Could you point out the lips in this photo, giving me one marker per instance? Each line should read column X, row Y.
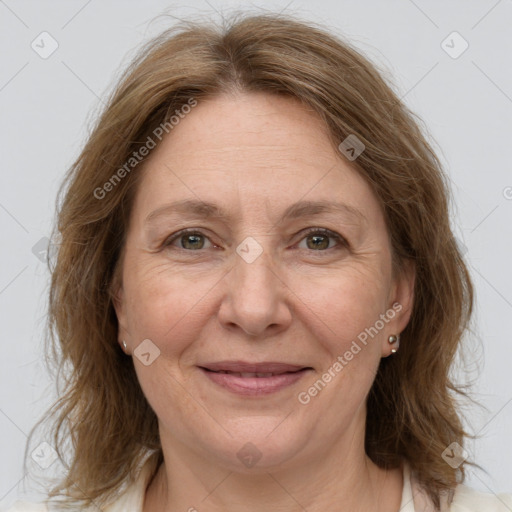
column 249, row 374
column 253, row 378
column 251, row 368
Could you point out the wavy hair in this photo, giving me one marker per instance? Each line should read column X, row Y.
column 412, row 412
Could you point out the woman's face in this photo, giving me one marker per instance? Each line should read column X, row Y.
column 256, row 336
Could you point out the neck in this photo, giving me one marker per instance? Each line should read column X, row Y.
column 343, row 481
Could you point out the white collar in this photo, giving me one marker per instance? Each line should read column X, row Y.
column 133, row 498
column 414, row 496
column 414, row 499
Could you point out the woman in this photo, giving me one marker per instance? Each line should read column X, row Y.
column 255, row 286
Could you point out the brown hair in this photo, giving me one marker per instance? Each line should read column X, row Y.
column 411, row 408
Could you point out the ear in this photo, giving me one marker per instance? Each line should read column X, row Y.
column 118, row 301
column 401, row 299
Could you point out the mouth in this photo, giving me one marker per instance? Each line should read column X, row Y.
column 253, row 379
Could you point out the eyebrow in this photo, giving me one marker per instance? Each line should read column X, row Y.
column 204, row 209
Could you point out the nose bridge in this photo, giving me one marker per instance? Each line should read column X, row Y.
column 255, row 294
column 256, row 278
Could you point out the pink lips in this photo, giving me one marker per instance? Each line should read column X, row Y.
column 253, row 378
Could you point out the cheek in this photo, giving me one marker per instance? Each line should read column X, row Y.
column 166, row 307
column 343, row 305
column 170, row 310
column 342, row 315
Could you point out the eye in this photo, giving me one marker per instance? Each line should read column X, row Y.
column 319, row 239
column 316, row 239
column 189, row 240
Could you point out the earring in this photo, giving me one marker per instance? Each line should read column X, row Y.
column 124, row 344
column 394, row 338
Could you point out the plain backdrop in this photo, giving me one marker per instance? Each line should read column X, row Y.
column 459, row 84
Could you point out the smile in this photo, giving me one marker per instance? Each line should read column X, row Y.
column 253, row 379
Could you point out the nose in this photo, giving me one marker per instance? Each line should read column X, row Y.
column 256, row 298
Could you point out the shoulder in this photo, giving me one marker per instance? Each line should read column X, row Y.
column 131, row 499
column 467, row 499
column 26, row 506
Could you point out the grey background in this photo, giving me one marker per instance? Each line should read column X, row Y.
column 465, row 102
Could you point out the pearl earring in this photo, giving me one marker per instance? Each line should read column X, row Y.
column 394, row 338
column 124, row 344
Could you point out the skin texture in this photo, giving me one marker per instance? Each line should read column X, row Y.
column 255, row 155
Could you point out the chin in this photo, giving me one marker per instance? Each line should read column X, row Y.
column 259, row 446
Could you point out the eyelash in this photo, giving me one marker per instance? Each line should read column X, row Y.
column 342, row 242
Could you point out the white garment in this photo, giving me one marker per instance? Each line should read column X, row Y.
column 413, row 498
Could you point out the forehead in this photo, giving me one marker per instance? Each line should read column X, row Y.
column 273, row 131
column 249, row 151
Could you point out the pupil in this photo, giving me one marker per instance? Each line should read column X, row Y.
column 319, row 242
column 191, row 240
